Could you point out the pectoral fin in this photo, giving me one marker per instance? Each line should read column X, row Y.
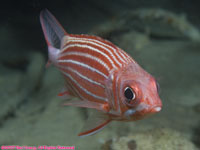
column 96, row 122
column 48, row 64
column 86, row 104
column 65, row 94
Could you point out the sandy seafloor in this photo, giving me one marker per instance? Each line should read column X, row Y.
column 31, row 113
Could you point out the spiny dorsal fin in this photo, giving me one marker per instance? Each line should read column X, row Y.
column 52, row 29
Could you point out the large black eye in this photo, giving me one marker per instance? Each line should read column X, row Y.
column 129, row 94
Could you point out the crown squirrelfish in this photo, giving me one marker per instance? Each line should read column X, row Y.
column 101, row 75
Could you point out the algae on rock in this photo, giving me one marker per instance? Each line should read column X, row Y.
column 156, row 139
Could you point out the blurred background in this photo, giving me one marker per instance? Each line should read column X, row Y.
column 161, row 35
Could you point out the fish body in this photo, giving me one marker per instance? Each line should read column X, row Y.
column 101, row 75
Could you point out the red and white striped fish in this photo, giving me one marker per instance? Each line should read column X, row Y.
column 101, row 75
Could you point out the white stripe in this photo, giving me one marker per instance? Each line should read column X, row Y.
column 76, row 91
column 123, row 55
column 93, row 43
column 90, row 48
column 82, row 76
column 88, row 56
column 86, row 91
column 116, row 84
column 128, row 57
column 84, row 65
column 99, row 42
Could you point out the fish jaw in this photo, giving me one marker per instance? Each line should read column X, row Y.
column 141, row 112
column 156, row 109
column 144, row 108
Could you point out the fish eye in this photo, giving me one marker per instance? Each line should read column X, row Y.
column 129, row 94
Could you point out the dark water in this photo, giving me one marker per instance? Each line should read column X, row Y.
column 162, row 36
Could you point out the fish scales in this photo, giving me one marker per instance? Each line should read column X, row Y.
column 88, row 57
column 101, row 75
column 107, row 54
column 102, row 47
column 85, row 85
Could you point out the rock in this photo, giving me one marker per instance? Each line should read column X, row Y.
column 156, row 139
column 17, row 85
column 34, row 72
column 163, row 23
column 196, row 135
column 197, row 108
column 158, row 23
column 10, row 95
column 133, row 41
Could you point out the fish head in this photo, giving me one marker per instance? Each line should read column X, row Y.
column 137, row 93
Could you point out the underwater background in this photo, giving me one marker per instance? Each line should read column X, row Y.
column 163, row 36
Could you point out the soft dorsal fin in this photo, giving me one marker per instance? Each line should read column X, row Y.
column 52, row 29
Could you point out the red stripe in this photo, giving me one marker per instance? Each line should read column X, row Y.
column 90, row 62
column 95, row 54
column 97, row 90
column 100, row 40
column 90, row 74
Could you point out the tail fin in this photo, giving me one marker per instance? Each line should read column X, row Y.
column 52, row 29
